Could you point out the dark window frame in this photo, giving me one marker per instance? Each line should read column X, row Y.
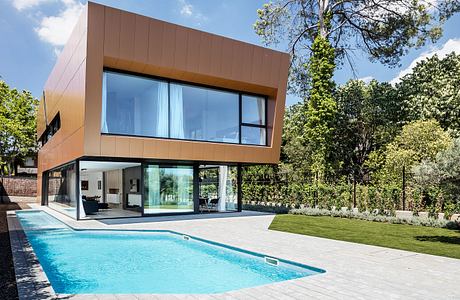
column 169, row 81
column 51, row 129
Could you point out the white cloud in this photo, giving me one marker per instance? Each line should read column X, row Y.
column 53, row 29
column 366, row 79
column 189, row 11
column 26, row 4
column 57, row 29
column 452, row 45
column 186, row 9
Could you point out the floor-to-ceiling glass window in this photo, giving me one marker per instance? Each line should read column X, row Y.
column 218, row 188
column 133, row 105
column 141, row 106
column 203, row 114
column 62, row 189
column 168, row 189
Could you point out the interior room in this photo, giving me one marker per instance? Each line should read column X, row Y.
column 110, row 189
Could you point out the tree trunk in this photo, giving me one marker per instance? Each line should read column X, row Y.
column 323, row 4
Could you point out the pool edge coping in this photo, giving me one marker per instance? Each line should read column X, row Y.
column 31, row 279
column 26, row 281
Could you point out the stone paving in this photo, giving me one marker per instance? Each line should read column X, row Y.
column 353, row 271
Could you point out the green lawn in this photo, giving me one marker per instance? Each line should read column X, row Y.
column 436, row 241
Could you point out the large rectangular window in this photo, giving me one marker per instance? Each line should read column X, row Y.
column 253, row 120
column 134, row 105
column 168, row 189
column 141, row 106
column 203, row 114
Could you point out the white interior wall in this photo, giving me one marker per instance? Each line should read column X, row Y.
column 92, row 178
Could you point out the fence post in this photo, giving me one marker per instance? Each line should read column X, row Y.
column 404, row 187
column 354, row 191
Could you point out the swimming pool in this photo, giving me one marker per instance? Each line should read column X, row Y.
column 135, row 262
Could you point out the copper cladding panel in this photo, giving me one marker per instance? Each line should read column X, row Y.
column 65, row 93
column 126, row 41
column 107, row 37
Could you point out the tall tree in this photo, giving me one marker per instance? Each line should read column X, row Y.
column 432, row 91
column 321, row 107
column 384, row 29
column 18, row 130
column 369, row 117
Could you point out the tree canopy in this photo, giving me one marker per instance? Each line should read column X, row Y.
column 18, row 130
column 432, row 91
column 384, row 29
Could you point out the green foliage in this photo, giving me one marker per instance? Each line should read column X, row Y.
column 321, row 106
column 369, row 116
column 419, row 140
column 432, row 91
column 361, row 135
column 384, row 29
column 18, row 130
column 439, row 179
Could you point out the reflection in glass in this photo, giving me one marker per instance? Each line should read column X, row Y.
column 203, row 114
column 134, row 105
column 62, row 194
column 168, row 189
column 253, row 110
column 253, row 135
column 218, row 188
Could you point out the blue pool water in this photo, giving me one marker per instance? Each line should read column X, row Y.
column 100, row 262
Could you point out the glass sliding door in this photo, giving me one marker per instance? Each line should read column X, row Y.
column 218, row 188
column 62, row 190
column 168, row 189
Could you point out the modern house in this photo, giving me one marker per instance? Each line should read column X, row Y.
column 144, row 117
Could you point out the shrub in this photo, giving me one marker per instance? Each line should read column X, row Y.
column 367, row 216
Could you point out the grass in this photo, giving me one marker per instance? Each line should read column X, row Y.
column 429, row 240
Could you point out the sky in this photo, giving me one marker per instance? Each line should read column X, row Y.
column 33, row 32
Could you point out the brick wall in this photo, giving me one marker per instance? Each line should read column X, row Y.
column 19, row 186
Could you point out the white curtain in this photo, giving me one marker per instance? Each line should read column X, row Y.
column 177, row 111
column 182, row 186
column 104, row 127
column 162, row 110
column 80, row 201
column 153, row 184
column 223, row 174
column 261, row 110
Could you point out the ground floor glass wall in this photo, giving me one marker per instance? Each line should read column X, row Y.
column 168, row 189
column 91, row 189
column 61, row 188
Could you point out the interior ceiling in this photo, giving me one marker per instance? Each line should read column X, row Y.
column 102, row 166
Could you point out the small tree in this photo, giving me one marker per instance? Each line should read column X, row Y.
column 18, row 130
column 418, row 141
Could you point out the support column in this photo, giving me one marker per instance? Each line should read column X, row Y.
column 77, row 189
column 239, row 181
column 196, row 188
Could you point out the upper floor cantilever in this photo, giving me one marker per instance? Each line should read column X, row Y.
column 126, row 85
